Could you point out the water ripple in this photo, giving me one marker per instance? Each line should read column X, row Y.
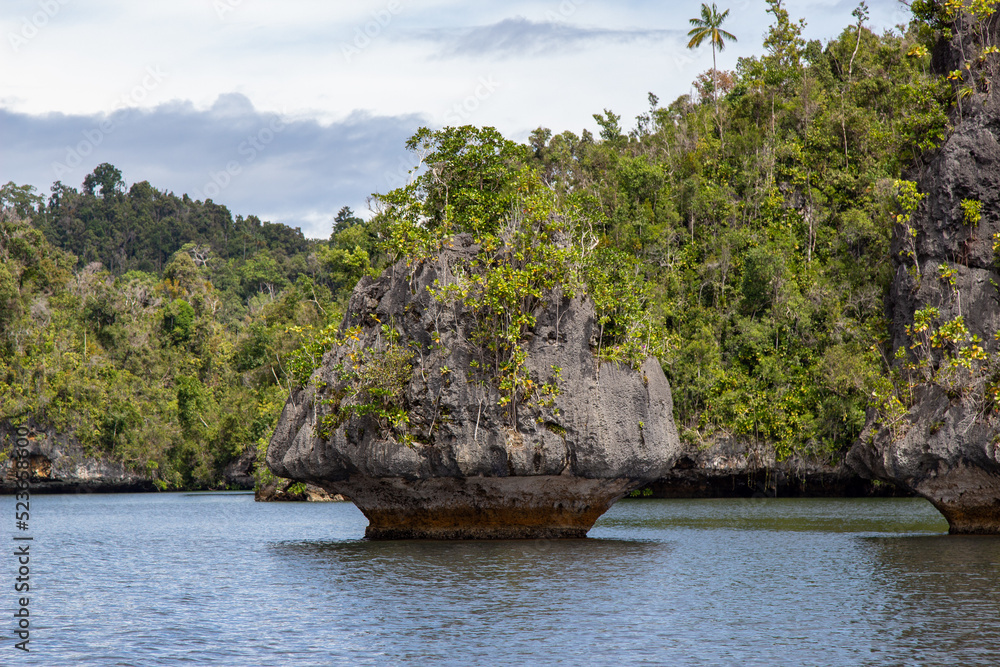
column 170, row 579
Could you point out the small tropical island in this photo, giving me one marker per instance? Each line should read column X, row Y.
column 497, row 380
column 785, row 282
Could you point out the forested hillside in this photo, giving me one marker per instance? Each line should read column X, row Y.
column 155, row 328
column 749, row 225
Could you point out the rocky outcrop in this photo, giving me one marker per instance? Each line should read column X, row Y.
column 239, row 473
column 949, row 455
column 457, row 464
column 728, row 468
column 60, row 464
column 288, row 492
column 947, row 448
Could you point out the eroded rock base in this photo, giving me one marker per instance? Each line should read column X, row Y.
column 491, row 508
column 968, row 497
column 972, row 520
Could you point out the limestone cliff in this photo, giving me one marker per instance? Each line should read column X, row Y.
column 60, row 464
column 453, row 461
column 731, row 468
column 946, row 447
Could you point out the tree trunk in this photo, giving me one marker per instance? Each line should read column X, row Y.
column 715, row 82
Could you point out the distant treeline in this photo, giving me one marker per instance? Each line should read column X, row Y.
column 159, row 329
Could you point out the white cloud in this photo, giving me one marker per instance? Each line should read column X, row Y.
column 354, row 78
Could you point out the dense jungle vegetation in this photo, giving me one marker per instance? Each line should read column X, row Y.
column 749, row 224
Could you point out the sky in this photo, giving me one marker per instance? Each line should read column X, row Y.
column 291, row 110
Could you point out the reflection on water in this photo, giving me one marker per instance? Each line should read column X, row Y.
column 841, row 515
column 479, row 559
column 215, row 578
column 509, row 598
column 511, row 570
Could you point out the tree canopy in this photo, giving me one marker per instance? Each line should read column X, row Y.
column 742, row 234
column 709, row 26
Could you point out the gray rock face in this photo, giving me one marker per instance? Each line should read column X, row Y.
column 311, row 494
column 730, row 468
column 471, row 469
column 948, row 455
column 947, row 448
column 59, row 464
column 238, row 474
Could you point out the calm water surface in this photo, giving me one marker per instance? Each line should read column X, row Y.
column 174, row 579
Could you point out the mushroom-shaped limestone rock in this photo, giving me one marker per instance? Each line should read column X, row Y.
column 409, row 418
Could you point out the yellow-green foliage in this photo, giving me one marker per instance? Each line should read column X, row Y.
column 533, row 248
column 972, row 212
column 136, row 368
column 741, row 234
column 370, row 381
column 942, row 353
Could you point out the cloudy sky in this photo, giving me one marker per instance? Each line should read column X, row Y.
column 290, row 110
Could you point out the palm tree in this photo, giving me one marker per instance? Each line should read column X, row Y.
column 709, row 26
